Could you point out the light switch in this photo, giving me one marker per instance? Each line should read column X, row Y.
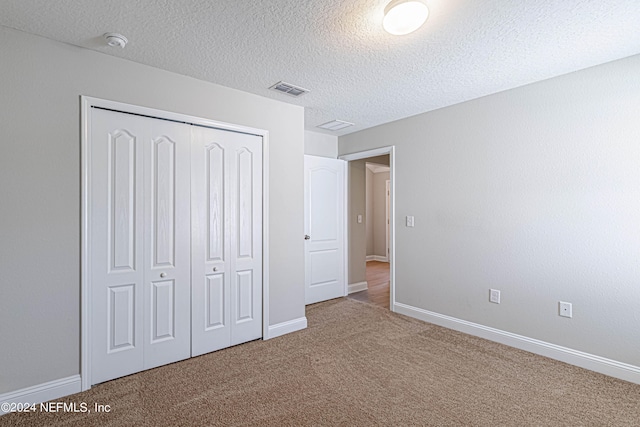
column 410, row 221
column 359, row 219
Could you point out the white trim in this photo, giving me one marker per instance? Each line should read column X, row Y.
column 584, row 360
column 163, row 114
column 43, row 392
column 345, row 225
column 287, row 327
column 358, row 287
column 391, row 151
column 265, row 235
column 345, row 237
column 368, row 153
column 377, row 258
column 387, row 218
column 85, row 289
column 85, row 239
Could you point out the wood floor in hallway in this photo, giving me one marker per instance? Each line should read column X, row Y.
column 377, row 275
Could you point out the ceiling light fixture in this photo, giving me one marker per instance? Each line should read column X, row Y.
column 404, row 16
column 115, row 39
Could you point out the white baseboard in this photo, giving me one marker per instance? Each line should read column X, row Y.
column 42, row 392
column 286, row 327
column 588, row 361
column 357, row 287
column 377, row 258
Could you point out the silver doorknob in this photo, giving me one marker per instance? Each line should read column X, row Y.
column 307, row 237
column 215, row 268
column 163, row 274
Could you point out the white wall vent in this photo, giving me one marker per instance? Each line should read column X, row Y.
column 335, row 125
column 289, row 89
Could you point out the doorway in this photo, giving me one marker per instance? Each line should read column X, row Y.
column 372, row 281
column 378, row 285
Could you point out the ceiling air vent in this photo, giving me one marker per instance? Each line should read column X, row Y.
column 335, row 125
column 289, row 89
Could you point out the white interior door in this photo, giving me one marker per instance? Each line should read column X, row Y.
column 324, row 228
column 140, row 253
column 226, row 206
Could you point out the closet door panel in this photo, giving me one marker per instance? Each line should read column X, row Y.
column 246, row 241
column 116, row 253
column 163, row 193
column 121, row 188
column 215, row 202
column 163, row 306
column 210, row 266
column 215, row 298
column 167, row 291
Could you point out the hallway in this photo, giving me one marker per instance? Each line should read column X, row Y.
column 377, row 275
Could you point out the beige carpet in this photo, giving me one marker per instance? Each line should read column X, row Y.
column 359, row 365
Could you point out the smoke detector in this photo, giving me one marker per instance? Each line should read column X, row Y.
column 115, row 39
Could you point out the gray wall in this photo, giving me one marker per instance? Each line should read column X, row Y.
column 379, row 211
column 40, row 89
column 320, row 144
column 534, row 191
column 357, row 232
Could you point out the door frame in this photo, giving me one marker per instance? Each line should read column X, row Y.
column 87, row 103
column 390, row 150
column 387, row 216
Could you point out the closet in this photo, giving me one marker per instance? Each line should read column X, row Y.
column 175, row 259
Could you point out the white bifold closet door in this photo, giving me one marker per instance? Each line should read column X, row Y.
column 226, row 215
column 176, row 241
column 140, row 249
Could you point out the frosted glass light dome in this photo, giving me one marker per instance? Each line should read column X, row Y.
column 404, row 16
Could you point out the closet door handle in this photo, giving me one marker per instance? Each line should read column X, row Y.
column 307, row 237
column 163, row 274
column 215, row 268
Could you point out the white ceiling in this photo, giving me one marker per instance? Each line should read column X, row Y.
column 338, row 49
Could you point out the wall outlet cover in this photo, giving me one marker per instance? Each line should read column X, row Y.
column 494, row 296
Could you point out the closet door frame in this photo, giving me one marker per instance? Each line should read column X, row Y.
column 87, row 104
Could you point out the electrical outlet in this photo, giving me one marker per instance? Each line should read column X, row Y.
column 565, row 309
column 410, row 221
column 494, row 296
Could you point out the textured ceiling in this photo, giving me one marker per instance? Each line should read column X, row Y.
column 338, row 49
